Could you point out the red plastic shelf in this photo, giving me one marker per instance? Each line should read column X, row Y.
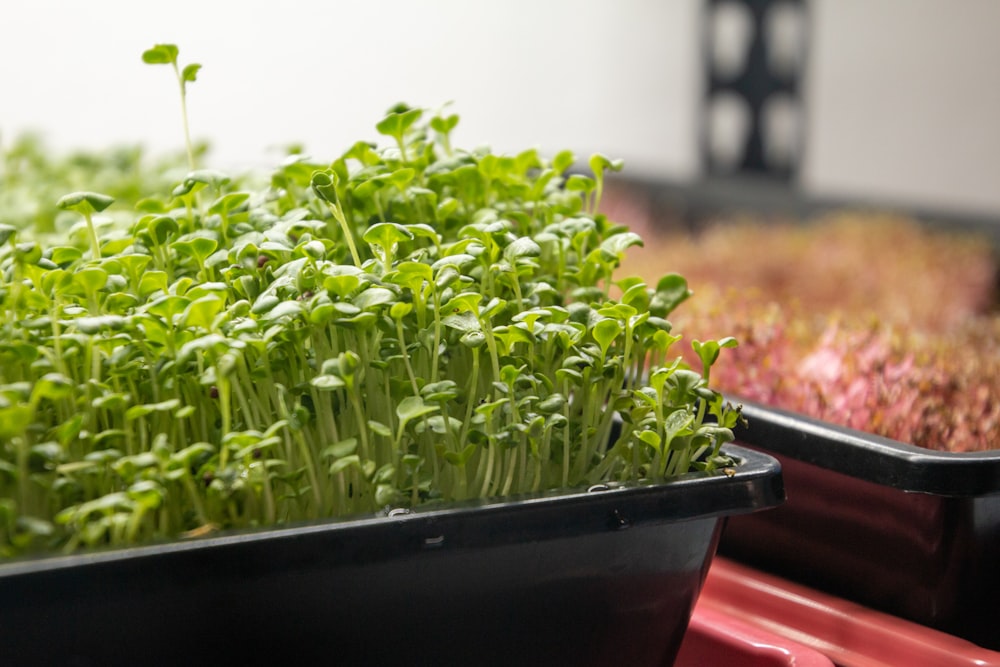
column 717, row 638
column 849, row 634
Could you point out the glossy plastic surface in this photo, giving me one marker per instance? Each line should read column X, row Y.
column 718, row 638
column 873, row 458
column 907, row 531
column 587, row 578
column 849, row 634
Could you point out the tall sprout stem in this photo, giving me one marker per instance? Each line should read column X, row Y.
column 184, row 118
column 95, row 243
column 338, row 214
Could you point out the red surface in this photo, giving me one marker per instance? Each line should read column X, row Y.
column 715, row 638
column 849, row 634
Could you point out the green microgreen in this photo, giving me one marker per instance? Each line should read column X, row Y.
column 86, row 204
column 408, row 324
column 166, row 54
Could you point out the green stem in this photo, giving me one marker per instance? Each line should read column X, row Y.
column 491, row 345
column 225, row 409
column 471, row 393
column 184, row 118
column 199, row 507
column 338, row 215
column 437, row 337
column 406, row 357
column 362, row 424
column 95, row 244
column 566, row 437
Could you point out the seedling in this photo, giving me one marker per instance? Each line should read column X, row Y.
column 166, row 54
column 86, row 204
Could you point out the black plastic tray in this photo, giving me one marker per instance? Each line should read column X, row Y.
column 902, row 529
column 594, row 577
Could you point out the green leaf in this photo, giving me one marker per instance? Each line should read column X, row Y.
column 462, row 457
column 324, row 184
column 342, row 285
column 708, row 351
column 284, row 309
column 386, row 494
column 14, row 420
column 92, row 325
column 341, row 464
column 605, row 332
column 363, row 152
column 160, row 54
column 85, row 203
column 598, row 163
column 199, row 247
column 412, row 275
column 397, row 123
column 464, row 322
column 580, row 183
column 367, row 189
column 379, row 428
column 400, row 309
column 340, row 449
column 402, row 177
column 327, row 382
column 374, row 296
column 523, row 246
column 563, row 161
column 202, row 177
column 619, row 243
column 229, row 202
column 473, row 339
column 551, row 404
column 161, row 228
column 444, row 125
column 671, row 291
column 91, row 279
column 387, row 235
column 53, row 387
column 202, row 312
column 152, row 281
column 65, row 255
column 413, row 407
column 443, row 390
column 190, row 72
column 7, row 232
column 147, row 493
column 137, row 411
column 675, row 424
column 464, row 302
column 190, row 454
column 421, row 230
column 652, row 439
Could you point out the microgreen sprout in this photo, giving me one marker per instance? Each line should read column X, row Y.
column 86, row 204
column 166, row 54
column 403, row 325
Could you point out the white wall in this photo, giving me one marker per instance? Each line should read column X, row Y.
column 582, row 74
column 903, row 96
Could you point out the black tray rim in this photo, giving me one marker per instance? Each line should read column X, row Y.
column 870, row 457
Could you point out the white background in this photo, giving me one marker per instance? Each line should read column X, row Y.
column 903, row 96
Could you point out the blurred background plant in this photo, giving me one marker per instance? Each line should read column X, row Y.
column 863, row 319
